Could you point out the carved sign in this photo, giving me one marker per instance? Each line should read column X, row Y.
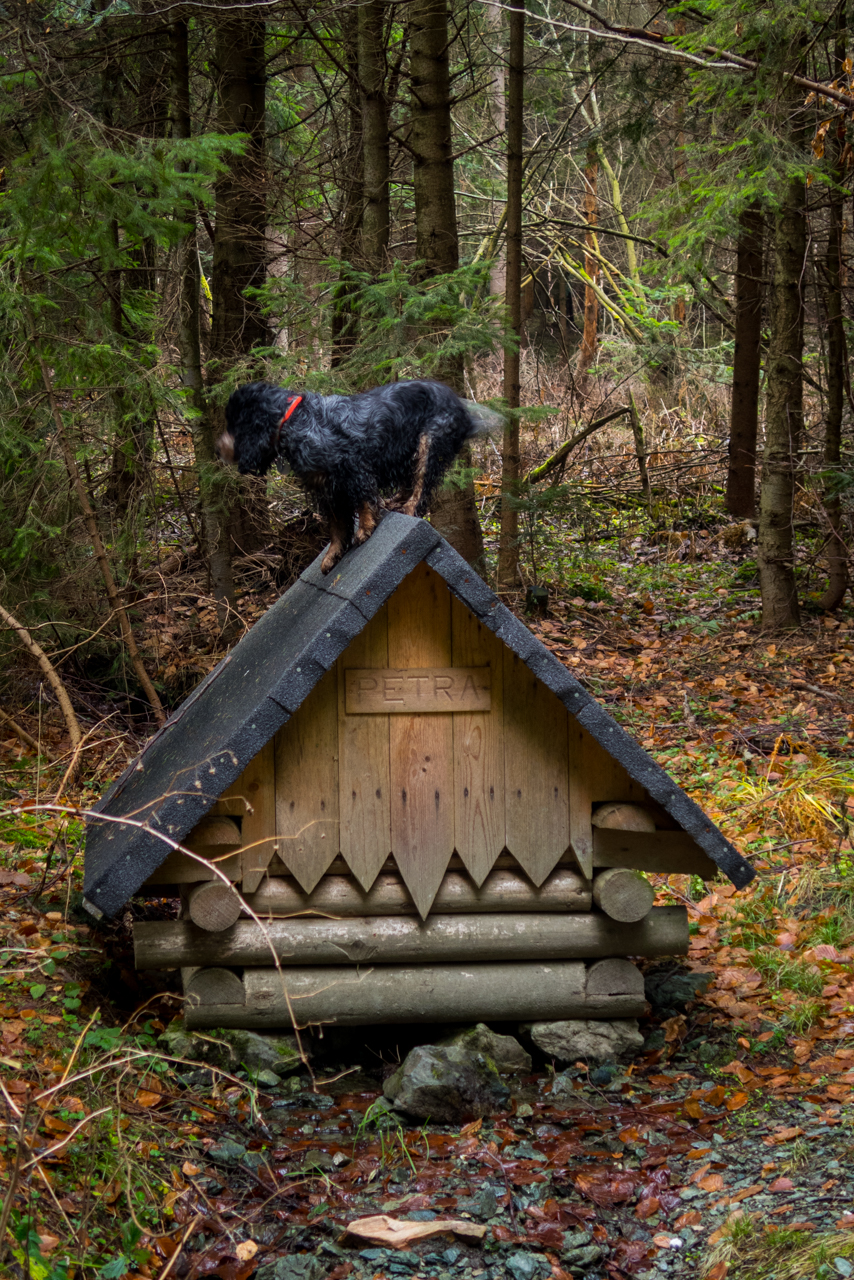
column 428, row 690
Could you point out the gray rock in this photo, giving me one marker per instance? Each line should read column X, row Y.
column 505, row 1051
column 296, row 1266
column 227, row 1152
column 586, row 1039
column 446, row 1083
column 669, row 990
column 229, row 1049
column 583, row 1257
column 526, row 1266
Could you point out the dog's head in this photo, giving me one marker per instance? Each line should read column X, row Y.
column 251, row 439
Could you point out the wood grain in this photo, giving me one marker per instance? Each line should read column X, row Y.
column 581, row 787
column 421, row 748
column 536, row 770
column 257, row 787
column 363, row 768
column 479, row 819
column 433, row 689
column 306, row 751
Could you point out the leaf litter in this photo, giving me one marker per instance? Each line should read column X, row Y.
column 728, row 1140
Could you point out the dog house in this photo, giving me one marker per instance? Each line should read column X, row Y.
column 390, row 802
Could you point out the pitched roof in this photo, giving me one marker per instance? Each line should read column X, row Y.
column 235, row 711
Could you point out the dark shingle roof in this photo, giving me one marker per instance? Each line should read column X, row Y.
column 236, row 710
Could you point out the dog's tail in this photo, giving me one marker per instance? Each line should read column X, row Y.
column 484, row 422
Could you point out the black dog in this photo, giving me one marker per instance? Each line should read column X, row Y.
column 349, row 450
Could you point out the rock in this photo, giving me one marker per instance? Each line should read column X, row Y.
column 296, row 1266
column 669, row 990
column 227, row 1152
column 586, row 1039
column 382, row 1114
column 526, row 1266
column 446, row 1084
column 268, row 1078
column 583, row 1257
column 505, row 1051
column 319, row 1161
column 229, row 1048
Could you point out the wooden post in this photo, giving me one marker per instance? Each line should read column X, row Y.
column 212, row 905
column 431, row 993
column 623, row 894
column 407, row 940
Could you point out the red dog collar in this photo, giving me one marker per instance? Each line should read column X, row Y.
column 296, row 400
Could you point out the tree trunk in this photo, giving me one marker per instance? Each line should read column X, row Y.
column 498, row 115
column 344, row 320
column 508, row 546
column 239, row 258
column 590, row 334
column 375, row 138
column 454, row 512
column 240, row 242
column 746, row 367
column 213, row 483
column 783, row 414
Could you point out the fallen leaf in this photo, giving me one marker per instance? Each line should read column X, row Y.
column 783, row 1135
column 246, row 1250
column 737, row 1101
column 190, row 1169
column 399, row 1234
column 692, row 1218
column 782, row 1184
column 713, row 1182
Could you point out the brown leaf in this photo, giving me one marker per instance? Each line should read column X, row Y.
column 399, row 1234
column 646, row 1208
column 782, row 1184
column 737, row 1101
column 713, row 1182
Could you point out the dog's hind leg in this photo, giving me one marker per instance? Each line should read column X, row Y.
column 413, row 502
column 368, row 521
column 340, row 532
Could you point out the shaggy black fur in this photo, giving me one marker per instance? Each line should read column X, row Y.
column 348, row 450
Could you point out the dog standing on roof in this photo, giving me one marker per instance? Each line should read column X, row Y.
column 348, row 451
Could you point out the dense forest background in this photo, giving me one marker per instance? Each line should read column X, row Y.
column 628, row 226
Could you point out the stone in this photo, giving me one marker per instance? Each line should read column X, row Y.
column 227, row 1152
column 670, row 989
column 586, row 1039
column 228, row 1049
column 446, row 1084
column 583, row 1257
column 295, row 1266
column 526, row 1266
column 505, row 1051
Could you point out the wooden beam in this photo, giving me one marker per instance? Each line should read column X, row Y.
column 430, row 993
column 212, row 905
column 364, row 792
column 664, row 852
column 479, row 751
column 565, row 890
column 405, row 940
column 623, row 894
column 212, row 986
column 617, row 816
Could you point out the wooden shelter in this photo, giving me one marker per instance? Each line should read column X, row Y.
column 395, row 804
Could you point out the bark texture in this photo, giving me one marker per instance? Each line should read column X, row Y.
column 213, row 483
column 508, row 546
column 783, row 414
column 375, row 137
column 590, row 332
column 746, row 366
column 454, row 512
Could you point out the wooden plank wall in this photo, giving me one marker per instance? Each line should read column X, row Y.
column 520, row 779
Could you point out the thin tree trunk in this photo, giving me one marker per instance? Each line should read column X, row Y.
column 783, row 414
column 240, row 243
column 50, row 673
column 213, row 483
column 375, row 136
column 837, row 552
column 454, row 512
column 746, row 367
column 590, row 334
column 494, row 22
column 344, row 318
column 91, row 523
column 508, row 545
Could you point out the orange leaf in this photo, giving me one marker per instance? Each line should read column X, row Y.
column 721, row 1268
column 399, row 1234
column 694, row 1110
column 737, row 1101
column 714, row 1182
column 646, row 1208
column 697, row 1153
column 474, row 1126
column 690, row 1219
column 714, row 1097
column 783, row 1135
column 146, row 1098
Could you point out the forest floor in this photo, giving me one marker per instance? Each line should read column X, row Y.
column 725, row 1148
